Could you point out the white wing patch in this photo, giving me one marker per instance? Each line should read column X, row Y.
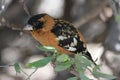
column 61, row 38
column 67, row 46
column 71, row 46
column 74, row 41
column 71, row 49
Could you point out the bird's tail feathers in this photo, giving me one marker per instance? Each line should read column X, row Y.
column 88, row 56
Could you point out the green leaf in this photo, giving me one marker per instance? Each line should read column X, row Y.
column 47, row 48
column 72, row 78
column 63, row 66
column 96, row 68
column 82, row 76
column 78, row 64
column 103, row 75
column 17, row 68
column 79, row 67
column 63, row 58
column 39, row 63
column 83, row 60
column 97, row 73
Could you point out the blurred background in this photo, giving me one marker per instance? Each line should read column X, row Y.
column 97, row 20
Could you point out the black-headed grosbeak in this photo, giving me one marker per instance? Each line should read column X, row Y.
column 57, row 33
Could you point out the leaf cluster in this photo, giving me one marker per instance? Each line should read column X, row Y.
column 78, row 64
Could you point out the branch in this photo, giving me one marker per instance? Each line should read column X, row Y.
column 22, row 2
column 3, row 66
column 90, row 15
column 4, row 23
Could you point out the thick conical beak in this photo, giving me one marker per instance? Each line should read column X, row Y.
column 28, row 27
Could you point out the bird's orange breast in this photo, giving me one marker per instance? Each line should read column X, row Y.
column 46, row 38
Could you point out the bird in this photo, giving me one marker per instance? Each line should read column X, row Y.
column 58, row 33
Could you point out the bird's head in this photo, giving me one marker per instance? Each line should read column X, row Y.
column 36, row 22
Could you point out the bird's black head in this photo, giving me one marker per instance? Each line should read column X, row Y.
column 36, row 22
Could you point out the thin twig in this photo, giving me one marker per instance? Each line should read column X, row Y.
column 5, row 23
column 89, row 70
column 3, row 66
column 91, row 14
column 24, row 72
column 75, row 73
column 31, row 74
column 25, row 7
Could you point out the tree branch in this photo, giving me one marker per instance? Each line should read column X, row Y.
column 91, row 14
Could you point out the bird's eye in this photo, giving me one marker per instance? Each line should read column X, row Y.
column 37, row 25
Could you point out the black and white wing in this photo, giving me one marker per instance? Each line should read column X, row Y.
column 68, row 36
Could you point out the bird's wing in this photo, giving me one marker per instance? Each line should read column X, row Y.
column 68, row 37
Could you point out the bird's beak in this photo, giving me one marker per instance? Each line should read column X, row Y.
column 28, row 27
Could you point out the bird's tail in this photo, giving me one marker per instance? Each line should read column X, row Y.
column 88, row 56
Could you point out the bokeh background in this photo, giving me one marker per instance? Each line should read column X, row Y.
column 97, row 20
